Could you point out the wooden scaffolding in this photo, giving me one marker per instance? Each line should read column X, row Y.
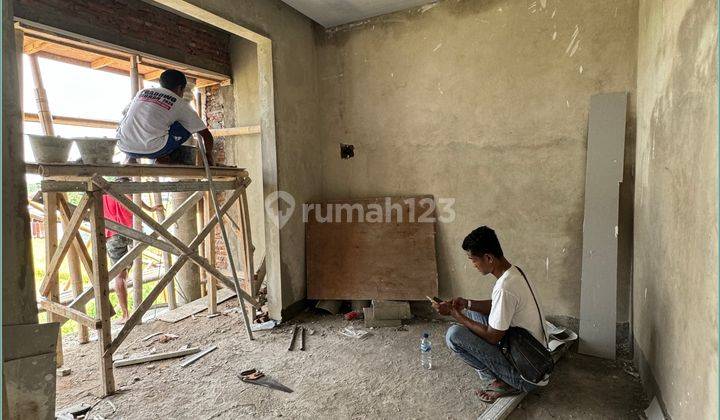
column 58, row 179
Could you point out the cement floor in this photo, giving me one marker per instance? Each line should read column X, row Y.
column 336, row 377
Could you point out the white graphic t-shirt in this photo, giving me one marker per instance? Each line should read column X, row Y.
column 144, row 126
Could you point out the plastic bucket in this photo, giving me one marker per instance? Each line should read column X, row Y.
column 50, row 149
column 96, row 150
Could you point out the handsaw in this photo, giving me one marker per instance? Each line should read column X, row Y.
column 255, row 377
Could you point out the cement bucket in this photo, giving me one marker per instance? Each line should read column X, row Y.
column 96, row 150
column 50, row 149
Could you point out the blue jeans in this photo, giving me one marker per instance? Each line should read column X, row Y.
column 177, row 135
column 484, row 357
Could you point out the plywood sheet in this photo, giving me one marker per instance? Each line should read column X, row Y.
column 373, row 253
column 598, row 292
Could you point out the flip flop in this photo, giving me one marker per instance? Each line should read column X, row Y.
column 499, row 391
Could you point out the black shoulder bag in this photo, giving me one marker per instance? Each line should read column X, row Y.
column 524, row 352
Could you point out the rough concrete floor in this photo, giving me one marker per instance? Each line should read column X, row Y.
column 336, row 377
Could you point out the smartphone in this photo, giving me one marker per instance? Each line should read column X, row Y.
column 434, row 299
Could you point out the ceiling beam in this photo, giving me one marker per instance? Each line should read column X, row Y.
column 155, row 74
column 35, row 46
column 102, row 62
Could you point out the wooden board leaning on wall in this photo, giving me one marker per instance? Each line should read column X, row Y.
column 377, row 248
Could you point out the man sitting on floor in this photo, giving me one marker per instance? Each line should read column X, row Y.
column 483, row 323
column 158, row 121
column 117, row 244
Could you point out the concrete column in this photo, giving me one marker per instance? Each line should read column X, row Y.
column 28, row 359
column 187, row 285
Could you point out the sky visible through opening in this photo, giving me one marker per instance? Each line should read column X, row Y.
column 75, row 91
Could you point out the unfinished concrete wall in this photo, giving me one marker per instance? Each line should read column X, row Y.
column 485, row 102
column 296, row 109
column 676, row 260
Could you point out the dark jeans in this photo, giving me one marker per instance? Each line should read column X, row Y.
column 486, row 358
column 177, row 135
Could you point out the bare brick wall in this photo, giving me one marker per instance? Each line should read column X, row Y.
column 136, row 25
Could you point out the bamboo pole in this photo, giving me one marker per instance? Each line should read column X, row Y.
column 137, row 199
column 166, row 258
column 46, row 122
column 51, row 238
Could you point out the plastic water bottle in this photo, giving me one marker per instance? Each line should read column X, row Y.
column 426, row 351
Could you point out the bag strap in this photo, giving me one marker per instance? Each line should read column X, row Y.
column 542, row 321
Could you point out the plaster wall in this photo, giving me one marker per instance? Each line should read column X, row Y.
column 486, row 103
column 676, row 250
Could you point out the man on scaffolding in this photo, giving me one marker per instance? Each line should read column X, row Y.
column 158, row 121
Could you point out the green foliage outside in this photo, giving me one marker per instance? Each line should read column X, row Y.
column 38, row 248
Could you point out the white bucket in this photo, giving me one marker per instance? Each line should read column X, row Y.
column 96, row 150
column 50, row 149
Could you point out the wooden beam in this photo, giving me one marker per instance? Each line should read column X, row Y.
column 35, row 46
column 68, row 236
column 166, row 257
column 70, row 313
column 177, row 243
column 210, row 254
column 140, row 236
column 102, row 62
column 153, row 75
column 157, row 356
column 123, row 262
column 203, row 83
column 102, row 292
column 235, row 131
column 137, row 314
column 126, row 260
column 80, row 248
column 247, row 247
column 76, row 171
column 135, row 187
column 73, row 121
column 50, row 202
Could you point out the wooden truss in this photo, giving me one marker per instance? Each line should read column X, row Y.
column 61, row 178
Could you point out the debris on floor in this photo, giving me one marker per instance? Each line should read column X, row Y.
column 195, row 358
column 296, row 329
column 153, row 357
column 352, row 315
column 352, row 332
column 268, row 325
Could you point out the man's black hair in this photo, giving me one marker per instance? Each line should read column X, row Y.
column 171, row 79
column 482, row 241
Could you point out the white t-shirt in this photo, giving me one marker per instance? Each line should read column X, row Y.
column 513, row 305
column 144, row 126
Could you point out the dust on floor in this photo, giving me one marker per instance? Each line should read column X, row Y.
column 336, row 377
